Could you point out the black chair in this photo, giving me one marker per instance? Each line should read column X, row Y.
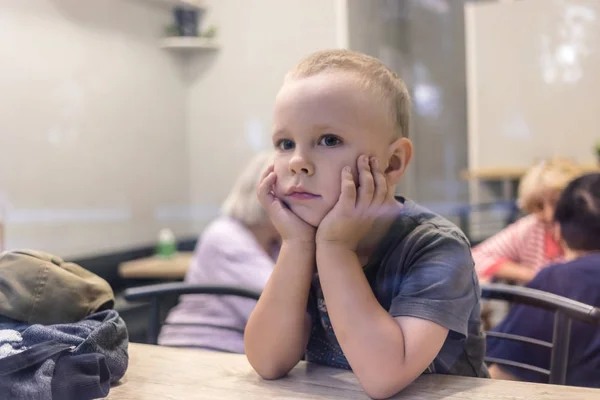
column 155, row 293
column 565, row 310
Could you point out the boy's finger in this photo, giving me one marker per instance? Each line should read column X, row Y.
column 366, row 184
column 276, row 205
column 348, row 193
column 267, row 171
column 381, row 186
column 265, row 188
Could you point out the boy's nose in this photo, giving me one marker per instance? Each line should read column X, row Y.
column 301, row 165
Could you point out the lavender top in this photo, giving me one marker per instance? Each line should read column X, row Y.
column 227, row 254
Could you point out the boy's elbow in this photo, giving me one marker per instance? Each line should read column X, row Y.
column 271, row 373
column 267, row 364
column 381, row 391
column 383, row 386
column 269, row 370
column 270, row 363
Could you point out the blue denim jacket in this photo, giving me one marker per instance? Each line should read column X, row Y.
column 64, row 361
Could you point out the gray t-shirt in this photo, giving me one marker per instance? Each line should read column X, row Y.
column 422, row 268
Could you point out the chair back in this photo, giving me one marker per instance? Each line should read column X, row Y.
column 565, row 311
column 155, row 293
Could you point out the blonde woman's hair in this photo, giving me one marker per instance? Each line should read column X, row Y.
column 552, row 175
column 373, row 74
column 242, row 202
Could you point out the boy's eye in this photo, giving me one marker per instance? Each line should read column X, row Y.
column 330, row 141
column 285, row 144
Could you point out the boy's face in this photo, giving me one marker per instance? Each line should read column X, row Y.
column 321, row 124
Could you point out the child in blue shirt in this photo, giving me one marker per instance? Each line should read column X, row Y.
column 364, row 280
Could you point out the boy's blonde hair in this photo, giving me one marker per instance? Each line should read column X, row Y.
column 373, row 74
column 553, row 174
column 242, row 202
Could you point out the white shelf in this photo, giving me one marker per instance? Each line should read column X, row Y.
column 198, row 4
column 188, row 43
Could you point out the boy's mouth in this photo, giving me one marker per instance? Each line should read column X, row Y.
column 299, row 193
column 303, row 196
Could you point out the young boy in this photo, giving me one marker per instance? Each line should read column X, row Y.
column 578, row 218
column 389, row 287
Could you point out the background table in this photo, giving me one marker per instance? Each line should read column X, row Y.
column 509, row 176
column 157, row 372
column 156, row 267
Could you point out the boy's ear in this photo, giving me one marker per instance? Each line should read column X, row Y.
column 400, row 153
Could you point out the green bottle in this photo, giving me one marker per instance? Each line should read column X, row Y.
column 167, row 247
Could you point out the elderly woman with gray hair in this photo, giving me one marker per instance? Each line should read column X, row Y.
column 239, row 248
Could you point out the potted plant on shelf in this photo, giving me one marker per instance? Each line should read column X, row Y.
column 186, row 22
column 598, row 151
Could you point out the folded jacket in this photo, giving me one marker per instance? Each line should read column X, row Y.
column 64, row 361
column 80, row 377
column 40, row 288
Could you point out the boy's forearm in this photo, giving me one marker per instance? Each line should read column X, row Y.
column 371, row 339
column 277, row 331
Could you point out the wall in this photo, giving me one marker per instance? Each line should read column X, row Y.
column 532, row 86
column 105, row 138
column 423, row 41
column 232, row 91
column 93, row 150
column 533, row 81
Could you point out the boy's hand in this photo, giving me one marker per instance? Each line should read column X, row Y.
column 288, row 224
column 353, row 215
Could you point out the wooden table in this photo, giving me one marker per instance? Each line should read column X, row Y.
column 167, row 373
column 156, row 267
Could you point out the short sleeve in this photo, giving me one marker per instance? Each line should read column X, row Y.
column 438, row 280
column 503, row 246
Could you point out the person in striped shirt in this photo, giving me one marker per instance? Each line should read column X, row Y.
column 520, row 250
